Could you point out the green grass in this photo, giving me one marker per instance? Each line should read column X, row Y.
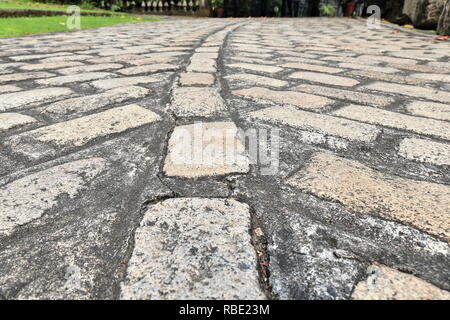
column 28, row 4
column 12, row 27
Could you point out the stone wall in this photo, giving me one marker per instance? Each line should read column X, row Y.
column 444, row 20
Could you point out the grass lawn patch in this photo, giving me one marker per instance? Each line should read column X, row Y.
column 12, row 27
column 27, row 4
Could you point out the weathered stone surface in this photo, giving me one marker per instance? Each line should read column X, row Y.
column 194, row 101
column 193, row 248
column 311, row 67
column 440, row 129
column 12, row 120
column 205, row 149
column 424, row 13
column 325, row 79
column 196, row 78
column 76, row 106
column 50, row 65
column 89, row 68
column 367, row 191
column 256, row 67
column 28, row 198
column 23, row 99
column 62, row 80
column 430, row 109
column 9, row 88
column 122, row 82
column 258, row 80
column 323, row 124
column 151, row 68
column 425, row 151
column 80, row 131
column 384, row 283
column 444, row 20
column 24, row 76
column 302, row 100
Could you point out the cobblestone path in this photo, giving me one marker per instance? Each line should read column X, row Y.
column 97, row 200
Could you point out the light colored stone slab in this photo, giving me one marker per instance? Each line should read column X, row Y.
column 193, row 248
column 9, row 88
column 315, row 122
column 196, row 78
column 28, row 198
column 89, row 68
column 388, row 77
column 432, row 76
column 50, row 65
column 384, row 283
column 22, row 99
column 396, row 120
column 62, row 80
column 106, row 84
column 76, row 106
column 258, row 80
column 298, row 99
column 325, row 78
column 195, row 101
column 430, row 109
column 202, row 65
column 413, row 91
column 152, row 68
column 348, row 95
column 255, row 67
column 205, row 149
column 420, row 204
column 311, row 67
column 80, row 131
column 425, row 151
column 368, row 68
column 12, row 120
column 24, row 76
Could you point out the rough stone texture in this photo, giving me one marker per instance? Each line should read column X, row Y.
column 193, row 248
column 258, row 80
column 256, row 67
column 28, row 198
column 444, row 20
column 12, row 120
column 58, row 81
column 311, row 67
column 194, row 101
column 425, row 151
column 17, row 100
column 205, row 149
column 424, row 13
column 194, row 78
column 9, row 88
column 419, row 125
column 357, row 186
column 325, row 79
column 430, row 110
column 301, row 100
column 384, row 283
column 324, row 124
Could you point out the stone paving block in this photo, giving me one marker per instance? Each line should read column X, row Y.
column 89, row 68
column 149, row 69
column 122, row 82
column 430, row 109
column 324, row 124
column 9, row 88
column 207, row 49
column 80, row 131
column 368, row 68
column 152, row 60
column 28, row 198
column 120, row 58
column 62, row 80
column 425, row 151
column 196, row 78
column 24, row 76
column 76, row 106
column 432, row 76
column 205, row 149
column 298, row 99
column 16, row 100
column 258, row 80
column 255, row 67
column 39, row 56
column 78, row 57
column 193, row 248
column 197, row 101
column 202, row 65
column 324, row 78
column 416, row 68
column 384, row 283
column 367, row 191
column 311, row 67
column 50, row 65
column 440, row 129
column 389, row 77
column 358, row 97
column 12, row 120
column 413, row 91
